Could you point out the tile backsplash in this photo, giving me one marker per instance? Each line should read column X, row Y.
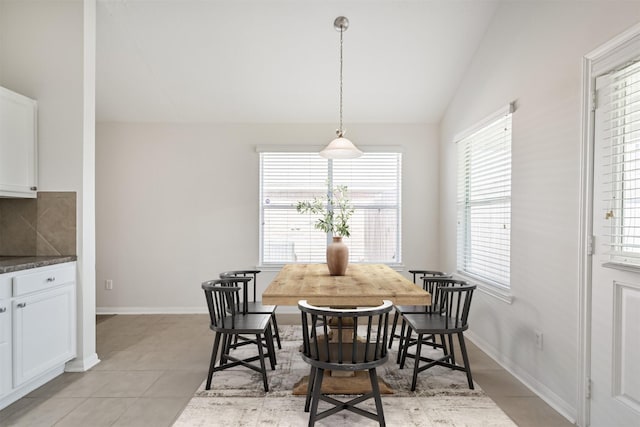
column 42, row 226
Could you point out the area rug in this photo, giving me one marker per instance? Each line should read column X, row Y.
column 442, row 397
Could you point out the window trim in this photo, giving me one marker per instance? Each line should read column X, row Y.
column 278, row 148
column 507, row 109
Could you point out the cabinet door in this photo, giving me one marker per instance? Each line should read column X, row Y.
column 18, row 145
column 5, row 347
column 43, row 332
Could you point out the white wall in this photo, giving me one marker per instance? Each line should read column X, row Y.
column 43, row 55
column 178, row 203
column 532, row 54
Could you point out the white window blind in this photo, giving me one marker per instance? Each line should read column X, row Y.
column 619, row 100
column 484, row 202
column 374, row 183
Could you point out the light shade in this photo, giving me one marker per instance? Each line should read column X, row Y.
column 341, row 148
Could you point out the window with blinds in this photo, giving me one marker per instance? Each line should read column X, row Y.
column 619, row 101
column 374, row 183
column 484, row 201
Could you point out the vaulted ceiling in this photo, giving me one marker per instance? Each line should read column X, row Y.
column 270, row 61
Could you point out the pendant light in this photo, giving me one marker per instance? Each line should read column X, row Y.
column 341, row 147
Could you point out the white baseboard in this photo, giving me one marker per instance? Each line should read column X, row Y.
column 82, row 365
column 542, row 391
column 174, row 310
column 151, row 310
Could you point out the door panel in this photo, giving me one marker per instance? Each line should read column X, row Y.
column 44, row 332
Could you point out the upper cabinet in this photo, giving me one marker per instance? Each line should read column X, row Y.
column 18, row 145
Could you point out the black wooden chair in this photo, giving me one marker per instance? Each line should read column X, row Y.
column 250, row 303
column 345, row 351
column 430, row 284
column 427, row 285
column 228, row 322
column 448, row 318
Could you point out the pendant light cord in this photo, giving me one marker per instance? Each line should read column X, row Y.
column 340, row 130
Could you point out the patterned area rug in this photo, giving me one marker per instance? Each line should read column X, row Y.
column 442, row 397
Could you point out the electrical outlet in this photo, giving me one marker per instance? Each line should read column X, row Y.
column 538, row 339
column 108, row 284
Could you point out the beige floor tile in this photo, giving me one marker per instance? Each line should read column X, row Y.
column 55, row 385
column 482, row 362
column 96, row 412
column 79, row 385
column 18, row 405
column 41, row 412
column 157, row 412
column 119, row 360
column 127, row 383
column 500, row 383
column 176, row 384
column 119, row 342
column 531, row 412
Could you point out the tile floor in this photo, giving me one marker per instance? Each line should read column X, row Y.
column 152, row 364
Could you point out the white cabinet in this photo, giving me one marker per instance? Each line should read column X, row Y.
column 43, row 332
column 37, row 327
column 5, row 346
column 18, row 145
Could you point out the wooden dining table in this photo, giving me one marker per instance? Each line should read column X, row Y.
column 362, row 285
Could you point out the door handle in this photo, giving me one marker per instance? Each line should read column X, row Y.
column 22, row 305
column 51, row 279
column 3, row 309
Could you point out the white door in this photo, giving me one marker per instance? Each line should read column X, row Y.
column 615, row 327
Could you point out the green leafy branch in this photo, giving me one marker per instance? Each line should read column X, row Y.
column 335, row 215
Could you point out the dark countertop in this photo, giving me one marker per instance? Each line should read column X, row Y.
column 9, row 264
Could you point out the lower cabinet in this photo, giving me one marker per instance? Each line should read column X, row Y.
column 5, row 347
column 43, row 332
column 37, row 327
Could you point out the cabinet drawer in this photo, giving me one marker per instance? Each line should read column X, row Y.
column 48, row 277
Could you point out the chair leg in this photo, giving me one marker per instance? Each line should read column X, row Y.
column 403, row 329
column 394, row 324
column 226, row 348
column 263, row 368
column 375, row 388
column 274, row 321
column 312, row 378
column 465, row 359
column 315, row 398
column 271, row 349
column 446, row 349
column 414, row 382
column 212, row 363
column 405, row 340
column 452, row 350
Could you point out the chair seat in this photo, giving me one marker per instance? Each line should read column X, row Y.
column 253, row 323
column 410, row 308
column 423, row 323
column 258, row 307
